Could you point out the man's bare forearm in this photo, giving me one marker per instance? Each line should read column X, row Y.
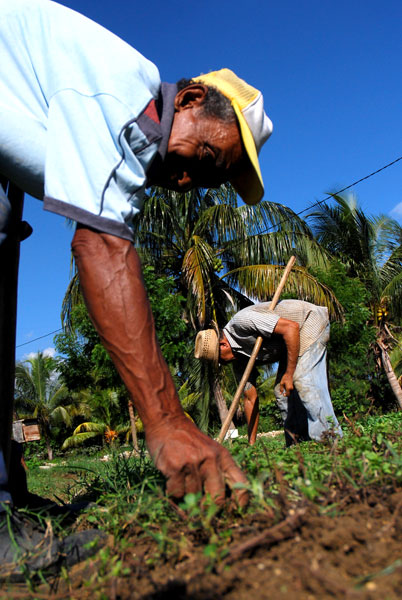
column 292, row 341
column 290, row 332
column 112, row 284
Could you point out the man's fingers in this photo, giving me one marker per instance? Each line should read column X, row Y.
column 234, row 475
column 211, row 478
column 214, row 483
column 175, row 486
column 185, row 482
column 193, row 482
column 198, row 464
column 219, row 471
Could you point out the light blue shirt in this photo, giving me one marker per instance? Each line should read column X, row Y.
column 78, row 121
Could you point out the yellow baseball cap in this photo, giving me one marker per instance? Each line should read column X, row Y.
column 255, row 127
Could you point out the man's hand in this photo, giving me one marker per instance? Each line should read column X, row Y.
column 192, row 462
column 286, row 384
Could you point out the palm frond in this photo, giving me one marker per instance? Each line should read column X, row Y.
column 220, row 224
column 61, row 415
column 76, row 440
column 99, row 428
column 196, row 273
column 260, row 282
column 72, row 298
column 391, row 296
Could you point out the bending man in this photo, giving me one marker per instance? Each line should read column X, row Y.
column 87, row 125
column 294, row 334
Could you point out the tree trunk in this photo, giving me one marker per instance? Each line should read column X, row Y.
column 132, row 423
column 392, row 379
column 220, row 402
column 49, row 449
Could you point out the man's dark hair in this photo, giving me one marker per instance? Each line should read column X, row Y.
column 215, row 103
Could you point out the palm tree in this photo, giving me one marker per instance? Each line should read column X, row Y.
column 40, row 392
column 195, row 236
column 105, row 414
column 222, row 256
column 371, row 249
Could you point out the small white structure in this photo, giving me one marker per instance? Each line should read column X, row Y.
column 26, row 430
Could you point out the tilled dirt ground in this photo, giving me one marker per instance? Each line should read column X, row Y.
column 349, row 549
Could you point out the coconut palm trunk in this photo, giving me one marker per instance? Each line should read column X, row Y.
column 392, row 379
column 46, row 434
column 220, row 402
column 132, row 424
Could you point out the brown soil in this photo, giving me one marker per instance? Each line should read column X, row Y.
column 304, row 553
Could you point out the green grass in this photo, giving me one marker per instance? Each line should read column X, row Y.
column 370, row 453
column 132, row 506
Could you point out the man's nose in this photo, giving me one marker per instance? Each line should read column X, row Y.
column 185, row 182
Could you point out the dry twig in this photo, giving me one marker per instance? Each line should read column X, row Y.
column 282, row 531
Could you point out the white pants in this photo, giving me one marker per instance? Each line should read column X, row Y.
column 308, row 412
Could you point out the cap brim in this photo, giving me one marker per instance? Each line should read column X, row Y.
column 248, row 184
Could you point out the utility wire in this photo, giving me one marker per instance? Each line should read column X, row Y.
column 318, row 203
column 348, row 186
column 39, row 338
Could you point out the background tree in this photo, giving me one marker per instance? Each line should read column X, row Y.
column 213, row 249
column 222, row 257
column 107, row 422
column 370, row 249
column 352, row 370
column 86, row 364
column 40, row 392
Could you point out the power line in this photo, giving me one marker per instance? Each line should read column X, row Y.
column 39, row 338
column 318, row 203
column 349, row 186
column 328, row 197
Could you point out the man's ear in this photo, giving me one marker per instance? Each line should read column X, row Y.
column 192, row 95
column 223, row 343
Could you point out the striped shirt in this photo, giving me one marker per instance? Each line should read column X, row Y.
column 257, row 320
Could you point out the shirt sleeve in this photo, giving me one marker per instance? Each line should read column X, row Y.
column 96, row 161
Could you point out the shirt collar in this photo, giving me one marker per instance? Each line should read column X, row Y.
column 233, row 344
column 165, row 108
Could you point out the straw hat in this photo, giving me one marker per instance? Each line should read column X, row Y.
column 207, row 345
column 255, row 127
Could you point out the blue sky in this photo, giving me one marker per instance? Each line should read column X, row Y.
column 330, row 76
